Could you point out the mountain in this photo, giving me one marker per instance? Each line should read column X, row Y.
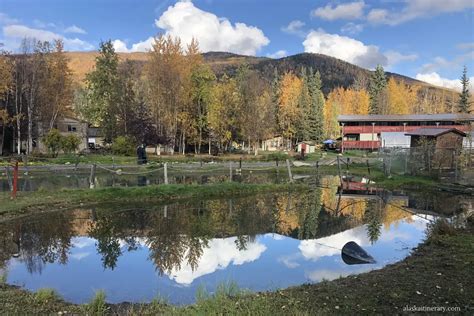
column 334, row 72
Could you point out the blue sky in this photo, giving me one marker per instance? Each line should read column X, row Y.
column 427, row 39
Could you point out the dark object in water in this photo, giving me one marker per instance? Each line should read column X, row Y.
column 352, row 253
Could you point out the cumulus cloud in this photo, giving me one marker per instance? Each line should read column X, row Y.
column 345, row 11
column 120, row 46
column 435, row 79
column 218, row 255
column 278, row 54
column 294, row 27
column 75, row 29
column 17, row 31
column 416, row 9
column 213, row 33
column 345, row 48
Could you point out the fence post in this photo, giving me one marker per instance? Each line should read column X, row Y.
column 166, row 172
column 317, row 166
column 230, row 171
column 289, row 170
column 339, row 170
column 15, row 180
column 92, row 176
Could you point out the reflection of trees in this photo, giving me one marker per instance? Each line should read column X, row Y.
column 37, row 241
column 373, row 218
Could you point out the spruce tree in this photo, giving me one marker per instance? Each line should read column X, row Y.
column 103, row 91
column 378, row 83
column 316, row 115
column 464, row 104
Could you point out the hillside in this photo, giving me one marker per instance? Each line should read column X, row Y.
column 334, row 72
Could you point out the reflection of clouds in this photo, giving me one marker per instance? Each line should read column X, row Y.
column 314, row 249
column 82, row 242
column 80, row 255
column 219, row 254
column 328, row 246
column 319, row 275
column 277, row 237
column 290, row 261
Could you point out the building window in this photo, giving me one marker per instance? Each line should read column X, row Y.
column 71, row 128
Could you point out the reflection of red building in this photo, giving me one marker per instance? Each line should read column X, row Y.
column 364, row 131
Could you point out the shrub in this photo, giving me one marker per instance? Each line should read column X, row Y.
column 70, row 143
column 53, row 140
column 123, row 146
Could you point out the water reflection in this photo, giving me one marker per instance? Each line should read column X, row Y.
column 263, row 243
column 80, row 179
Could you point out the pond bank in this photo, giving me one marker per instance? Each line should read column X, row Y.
column 439, row 274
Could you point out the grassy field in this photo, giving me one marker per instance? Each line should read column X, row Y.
column 438, row 274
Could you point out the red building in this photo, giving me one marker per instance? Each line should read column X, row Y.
column 365, row 131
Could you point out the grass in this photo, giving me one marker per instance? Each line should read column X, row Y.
column 29, row 202
column 97, row 306
column 46, row 295
column 440, row 272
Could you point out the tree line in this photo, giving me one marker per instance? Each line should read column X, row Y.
column 176, row 99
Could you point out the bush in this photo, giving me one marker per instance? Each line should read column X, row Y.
column 53, row 140
column 123, row 146
column 70, row 143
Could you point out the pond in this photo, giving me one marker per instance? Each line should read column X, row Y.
column 261, row 243
column 70, row 179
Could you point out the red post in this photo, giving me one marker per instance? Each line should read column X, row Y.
column 15, row 180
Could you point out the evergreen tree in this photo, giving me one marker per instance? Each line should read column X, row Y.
column 275, row 87
column 464, row 104
column 316, row 111
column 103, row 91
column 377, row 85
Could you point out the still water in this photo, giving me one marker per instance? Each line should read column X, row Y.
column 68, row 179
column 261, row 243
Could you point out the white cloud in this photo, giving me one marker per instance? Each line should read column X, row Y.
column 20, row 32
column 346, row 11
column 75, row 29
column 278, row 54
column 213, row 33
column 414, row 9
column 344, row 48
column 435, row 79
column 219, row 254
column 352, row 28
column 119, row 46
column 143, row 46
column 294, row 27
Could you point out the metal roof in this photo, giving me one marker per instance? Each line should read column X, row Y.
column 434, row 132
column 407, row 118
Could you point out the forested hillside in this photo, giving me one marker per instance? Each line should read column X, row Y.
column 177, row 96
